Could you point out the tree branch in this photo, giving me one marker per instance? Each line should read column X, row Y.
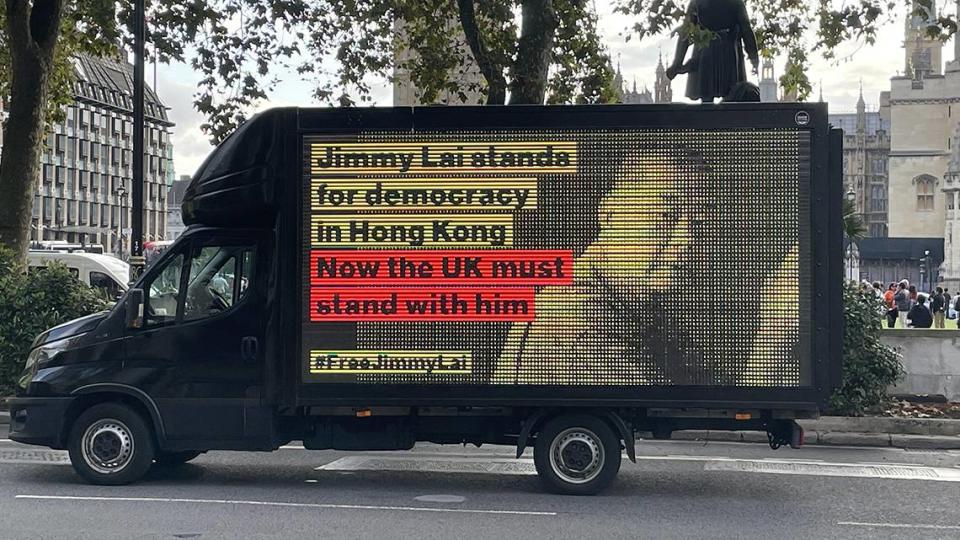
column 493, row 73
column 45, row 24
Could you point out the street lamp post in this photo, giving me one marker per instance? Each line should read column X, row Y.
column 851, row 196
column 136, row 225
column 121, row 193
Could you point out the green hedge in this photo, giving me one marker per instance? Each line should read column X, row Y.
column 31, row 303
column 869, row 366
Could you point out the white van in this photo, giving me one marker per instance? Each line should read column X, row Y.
column 102, row 272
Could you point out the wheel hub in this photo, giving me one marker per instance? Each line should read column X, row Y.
column 107, row 446
column 576, row 455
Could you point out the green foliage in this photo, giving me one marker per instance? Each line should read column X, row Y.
column 869, row 367
column 853, row 226
column 31, row 303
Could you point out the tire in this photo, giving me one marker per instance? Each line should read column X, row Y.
column 172, row 459
column 577, row 454
column 110, row 445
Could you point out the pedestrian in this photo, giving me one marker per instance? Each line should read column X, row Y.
column 891, row 306
column 947, row 304
column 937, row 307
column 878, row 289
column 913, row 294
column 956, row 307
column 919, row 315
column 902, row 299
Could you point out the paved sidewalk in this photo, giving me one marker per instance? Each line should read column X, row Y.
column 914, row 433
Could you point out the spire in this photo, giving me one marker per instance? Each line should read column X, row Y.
column 821, row 91
column 618, row 79
column 861, row 112
column 634, row 84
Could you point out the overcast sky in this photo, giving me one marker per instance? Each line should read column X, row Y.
column 874, row 65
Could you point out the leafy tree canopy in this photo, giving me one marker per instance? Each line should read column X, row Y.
column 243, row 48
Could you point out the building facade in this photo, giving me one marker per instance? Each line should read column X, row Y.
column 85, row 189
column 866, row 151
column 769, row 87
column 662, row 89
column 175, row 226
column 920, row 106
column 470, row 81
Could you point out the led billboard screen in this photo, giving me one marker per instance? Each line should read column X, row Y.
column 608, row 257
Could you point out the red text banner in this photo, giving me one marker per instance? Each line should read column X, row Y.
column 441, row 267
column 421, row 304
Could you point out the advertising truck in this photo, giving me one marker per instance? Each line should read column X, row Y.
column 561, row 278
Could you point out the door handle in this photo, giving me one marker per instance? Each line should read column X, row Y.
column 249, row 346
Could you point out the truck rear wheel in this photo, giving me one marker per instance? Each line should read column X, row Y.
column 577, row 455
column 110, row 445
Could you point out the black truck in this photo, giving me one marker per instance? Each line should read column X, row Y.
column 554, row 277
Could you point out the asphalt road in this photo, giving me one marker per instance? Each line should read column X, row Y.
column 676, row 490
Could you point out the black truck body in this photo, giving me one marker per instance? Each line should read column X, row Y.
column 368, row 278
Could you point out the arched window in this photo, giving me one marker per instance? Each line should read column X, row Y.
column 925, row 185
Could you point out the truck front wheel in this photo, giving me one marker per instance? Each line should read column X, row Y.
column 577, row 455
column 110, row 445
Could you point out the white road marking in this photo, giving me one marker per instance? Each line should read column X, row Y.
column 853, row 470
column 5, row 440
column 449, row 499
column 285, row 504
column 438, row 464
column 900, row 525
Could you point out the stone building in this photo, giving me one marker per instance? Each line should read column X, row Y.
column 470, row 81
column 920, row 106
column 866, row 149
column 175, row 226
column 769, row 87
column 662, row 89
column 86, row 175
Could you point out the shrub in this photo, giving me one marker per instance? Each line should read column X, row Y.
column 31, row 303
column 869, row 366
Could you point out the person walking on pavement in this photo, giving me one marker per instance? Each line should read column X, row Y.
column 946, row 302
column 919, row 316
column 937, row 307
column 892, row 312
column 902, row 300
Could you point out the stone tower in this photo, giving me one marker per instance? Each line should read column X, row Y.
column 663, row 92
column 923, row 55
column 768, row 83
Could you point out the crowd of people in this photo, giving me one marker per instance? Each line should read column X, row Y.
column 903, row 304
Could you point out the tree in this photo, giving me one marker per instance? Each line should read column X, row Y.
column 552, row 51
column 853, row 226
column 37, row 41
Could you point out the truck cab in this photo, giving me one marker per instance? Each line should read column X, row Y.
column 188, row 333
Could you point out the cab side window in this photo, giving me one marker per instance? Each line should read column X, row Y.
column 163, row 294
column 219, row 277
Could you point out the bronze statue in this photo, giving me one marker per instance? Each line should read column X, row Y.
column 717, row 68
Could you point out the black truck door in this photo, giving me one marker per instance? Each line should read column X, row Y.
column 202, row 341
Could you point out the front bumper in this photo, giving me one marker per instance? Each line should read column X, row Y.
column 39, row 420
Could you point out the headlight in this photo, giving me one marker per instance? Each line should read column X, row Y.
column 38, row 357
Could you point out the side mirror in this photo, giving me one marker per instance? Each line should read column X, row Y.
column 133, row 305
